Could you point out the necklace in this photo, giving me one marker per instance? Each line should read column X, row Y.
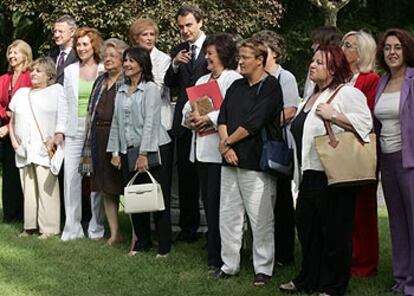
column 215, row 77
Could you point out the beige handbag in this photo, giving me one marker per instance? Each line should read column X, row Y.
column 347, row 160
column 142, row 198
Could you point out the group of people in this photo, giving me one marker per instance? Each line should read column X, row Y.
column 107, row 107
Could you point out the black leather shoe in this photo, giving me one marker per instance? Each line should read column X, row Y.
column 261, row 279
column 221, row 275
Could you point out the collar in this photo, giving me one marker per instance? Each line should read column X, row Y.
column 200, row 41
column 66, row 51
column 278, row 71
column 154, row 52
column 124, row 87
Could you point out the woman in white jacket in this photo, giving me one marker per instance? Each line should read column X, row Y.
column 221, row 61
column 79, row 79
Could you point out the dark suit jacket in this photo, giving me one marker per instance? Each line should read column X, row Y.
column 186, row 76
column 54, row 54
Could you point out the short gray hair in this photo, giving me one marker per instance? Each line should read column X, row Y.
column 69, row 20
column 49, row 66
column 116, row 43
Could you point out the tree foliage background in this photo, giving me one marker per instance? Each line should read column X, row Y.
column 32, row 20
column 113, row 18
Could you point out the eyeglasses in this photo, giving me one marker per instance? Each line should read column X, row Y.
column 348, row 45
column 389, row 47
column 244, row 58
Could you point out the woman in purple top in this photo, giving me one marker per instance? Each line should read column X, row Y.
column 394, row 113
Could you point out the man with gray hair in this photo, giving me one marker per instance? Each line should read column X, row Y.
column 64, row 28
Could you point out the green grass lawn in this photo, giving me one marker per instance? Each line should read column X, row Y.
column 29, row 266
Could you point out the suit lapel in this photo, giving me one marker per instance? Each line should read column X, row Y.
column 70, row 59
column 406, row 87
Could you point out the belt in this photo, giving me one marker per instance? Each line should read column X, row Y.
column 103, row 123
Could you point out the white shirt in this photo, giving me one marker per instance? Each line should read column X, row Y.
column 199, row 45
column 349, row 101
column 387, row 111
column 289, row 87
column 45, row 106
column 160, row 63
column 66, row 51
column 207, row 146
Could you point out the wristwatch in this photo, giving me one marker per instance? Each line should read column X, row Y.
column 226, row 144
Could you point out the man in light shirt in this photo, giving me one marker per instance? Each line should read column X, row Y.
column 63, row 55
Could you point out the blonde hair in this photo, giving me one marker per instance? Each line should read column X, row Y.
column 259, row 48
column 25, row 49
column 366, row 49
column 139, row 26
column 49, row 67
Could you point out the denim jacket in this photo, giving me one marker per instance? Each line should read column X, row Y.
column 147, row 131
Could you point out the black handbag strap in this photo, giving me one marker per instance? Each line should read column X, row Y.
column 263, row 130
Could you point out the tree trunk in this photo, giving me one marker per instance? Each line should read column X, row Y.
column 331, row 16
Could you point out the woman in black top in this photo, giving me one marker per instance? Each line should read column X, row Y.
column 251, row 104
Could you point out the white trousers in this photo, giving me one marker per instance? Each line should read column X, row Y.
column 246, row 191
column 41, row 199
column 73, row 192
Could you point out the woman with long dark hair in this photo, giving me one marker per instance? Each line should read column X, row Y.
column 136, row 124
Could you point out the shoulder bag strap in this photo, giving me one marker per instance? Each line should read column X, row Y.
column 35, row 119
column 328, row 127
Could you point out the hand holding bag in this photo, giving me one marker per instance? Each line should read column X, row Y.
column 347, row 160
column 277, row 155
column 142, row 198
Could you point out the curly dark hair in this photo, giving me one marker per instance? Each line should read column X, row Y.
column 407, row 43
column 142, row 57
column 226, row 48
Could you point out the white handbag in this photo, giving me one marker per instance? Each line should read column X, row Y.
column 142, row 198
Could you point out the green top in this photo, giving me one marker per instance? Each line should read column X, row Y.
column 85, row 89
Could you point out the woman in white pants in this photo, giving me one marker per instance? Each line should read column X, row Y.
column 252, row 104
column 34, row 124
column 79, row 79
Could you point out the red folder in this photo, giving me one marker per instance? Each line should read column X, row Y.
column 210, row 89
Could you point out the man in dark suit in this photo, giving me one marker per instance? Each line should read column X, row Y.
column 188, row 64
column 63, row 55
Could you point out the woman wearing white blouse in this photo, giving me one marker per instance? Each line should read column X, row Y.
column 35, row 123
column 221, row 61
